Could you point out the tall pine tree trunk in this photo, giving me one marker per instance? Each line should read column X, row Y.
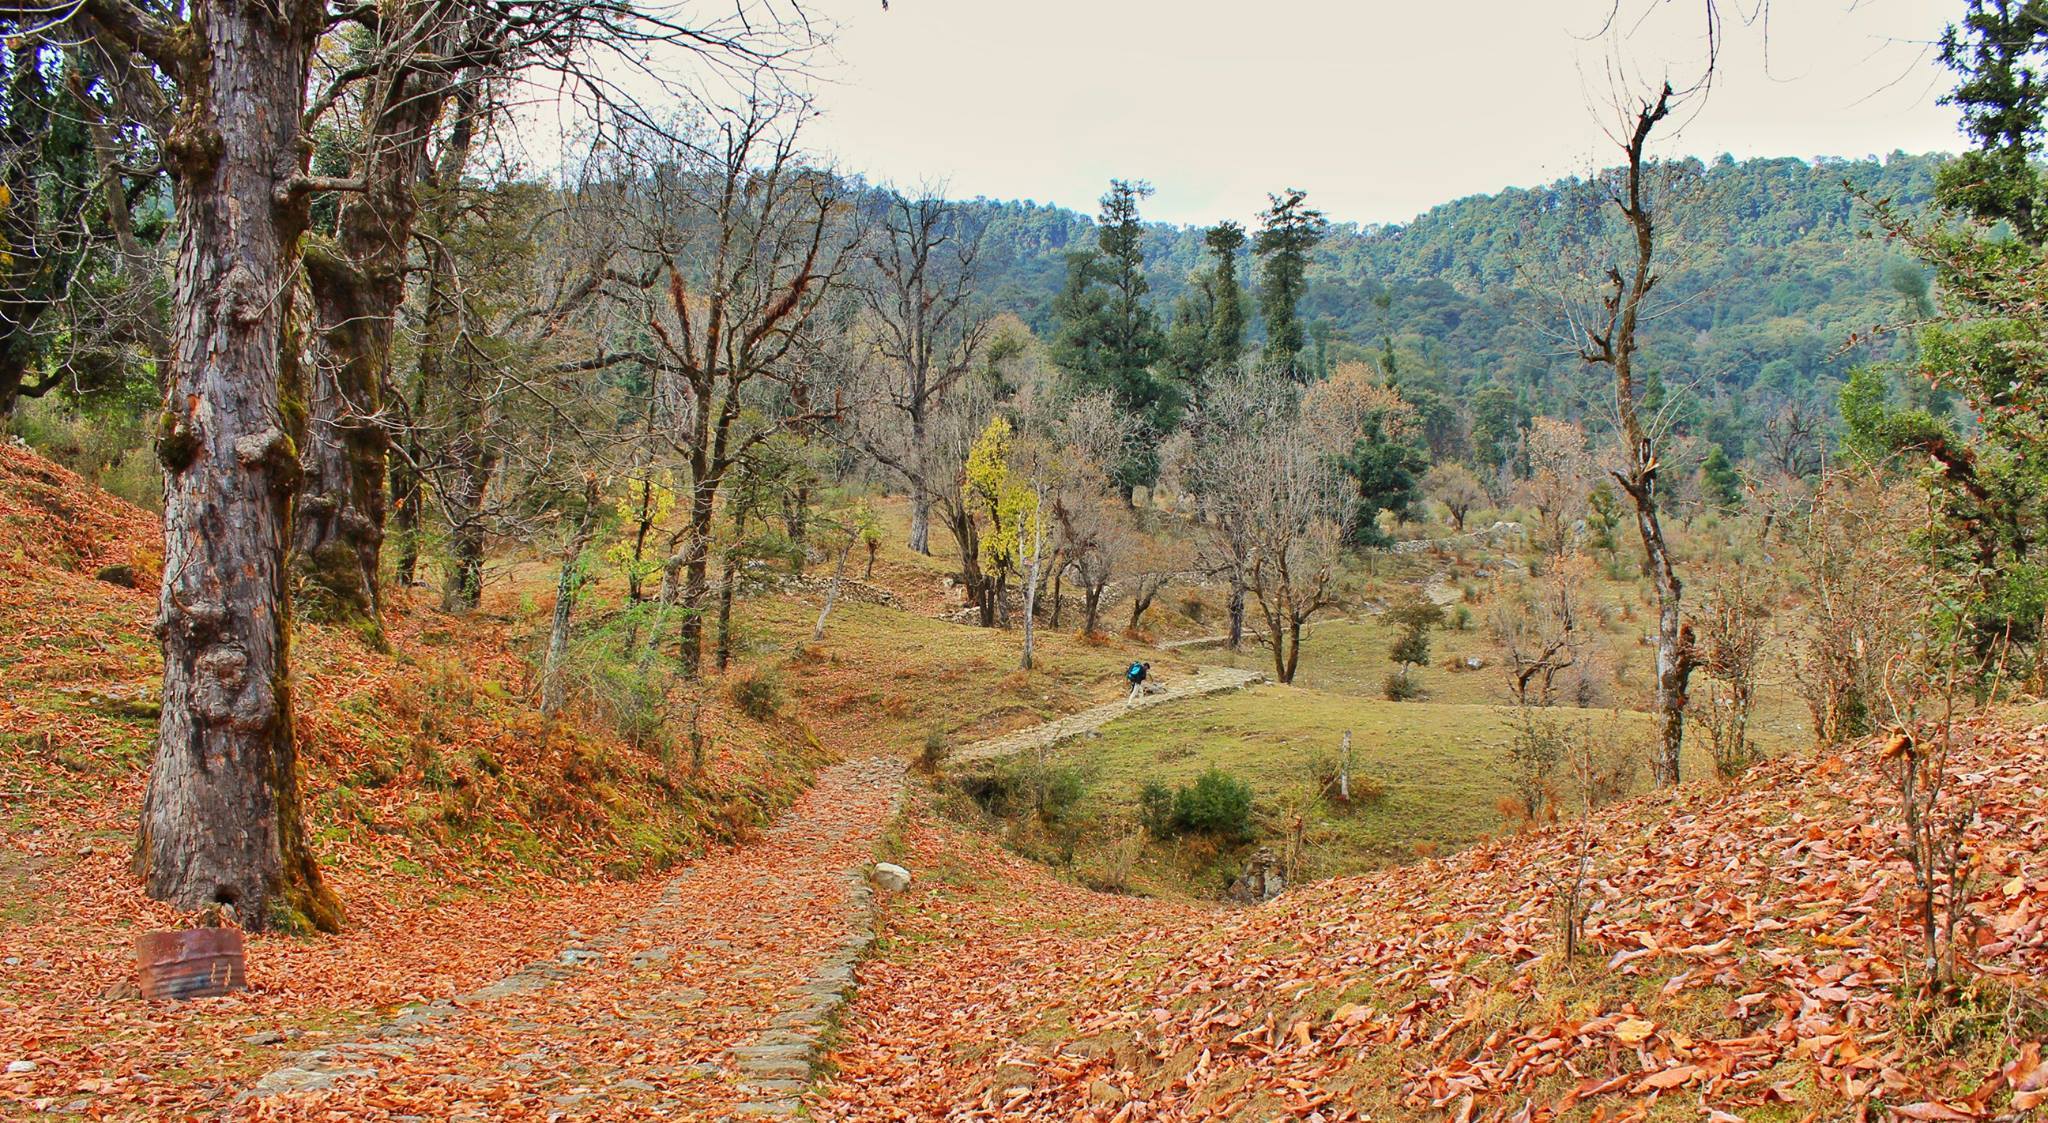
column 221, row 819
column 357, row 282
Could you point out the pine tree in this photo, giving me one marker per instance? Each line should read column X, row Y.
column 1108, row 339
column 1997, row 52
column 1722, row 487
column 1288, row 230
column 1226, row 325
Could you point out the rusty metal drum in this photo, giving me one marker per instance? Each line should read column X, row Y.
column 190, row 963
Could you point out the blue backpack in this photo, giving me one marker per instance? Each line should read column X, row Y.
column 1136, row 673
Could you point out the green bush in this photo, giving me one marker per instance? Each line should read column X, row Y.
column 1060, row 788
column 1399, row 687
column 1216, row 804
column 1024, row 785
column 1155, row 809
column 758, row 695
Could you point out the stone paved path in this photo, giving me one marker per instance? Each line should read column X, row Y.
column 1253, row 637
column 714, row 1005
column 711, row 1006
column 1210, row 680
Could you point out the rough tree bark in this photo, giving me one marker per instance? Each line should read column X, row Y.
column 357, row 281
column 221, row 820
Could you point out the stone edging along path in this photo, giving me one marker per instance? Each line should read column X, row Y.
column 1210, row 680
column 781, row 1062
column 749, row 953
column 751, row 947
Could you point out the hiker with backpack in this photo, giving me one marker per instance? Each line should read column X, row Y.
column 1138, row 673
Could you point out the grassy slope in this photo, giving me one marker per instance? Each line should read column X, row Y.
column 1437, row 767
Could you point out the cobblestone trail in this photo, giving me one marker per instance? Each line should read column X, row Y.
column 1211, row 680
column 714, row 1005
column 711, row 1006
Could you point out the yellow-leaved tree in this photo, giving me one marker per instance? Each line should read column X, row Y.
column 1006, row 504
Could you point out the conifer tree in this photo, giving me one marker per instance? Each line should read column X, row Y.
column 1108, row 339
column 1226, row 324
column 1288, row 230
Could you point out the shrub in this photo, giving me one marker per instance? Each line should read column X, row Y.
column 1401, row 688
column 1059, row 791
column 1216, row 804
column 1461, row 619
column 1027, row 785
column 758, row 695
column 1537, row 743
column 1325, row 773
column 933, row 756
column 1155, row 809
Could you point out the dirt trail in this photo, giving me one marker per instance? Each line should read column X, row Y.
column 710, row 1006
column 1210, row 680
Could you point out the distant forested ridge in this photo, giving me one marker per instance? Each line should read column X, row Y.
column 1771, row 273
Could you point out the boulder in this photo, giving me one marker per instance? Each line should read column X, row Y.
column 1263, row 879
column 891, row 877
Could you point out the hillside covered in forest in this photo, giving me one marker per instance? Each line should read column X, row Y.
column 1775, row 279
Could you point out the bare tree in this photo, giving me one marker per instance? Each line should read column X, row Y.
column 1609, row 339
column 765, row 239
column 1542, row 639
column 1454, row 486
column 1298, row 506
column 926, row 330
column 1218, row 456
column 1731, row 640
column 1560, row 477
column 411, row 60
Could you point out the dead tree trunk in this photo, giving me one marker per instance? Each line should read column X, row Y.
column 221, row 820
column 832, row 593
column 1612, row 344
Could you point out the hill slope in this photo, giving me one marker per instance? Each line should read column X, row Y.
column 1747, row 954
column 1766, row 261
column 439, row 804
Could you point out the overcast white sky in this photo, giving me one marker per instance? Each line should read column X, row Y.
column 1380, row 109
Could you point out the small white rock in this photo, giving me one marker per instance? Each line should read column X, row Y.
column 891, row 877
column 16, row 1067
